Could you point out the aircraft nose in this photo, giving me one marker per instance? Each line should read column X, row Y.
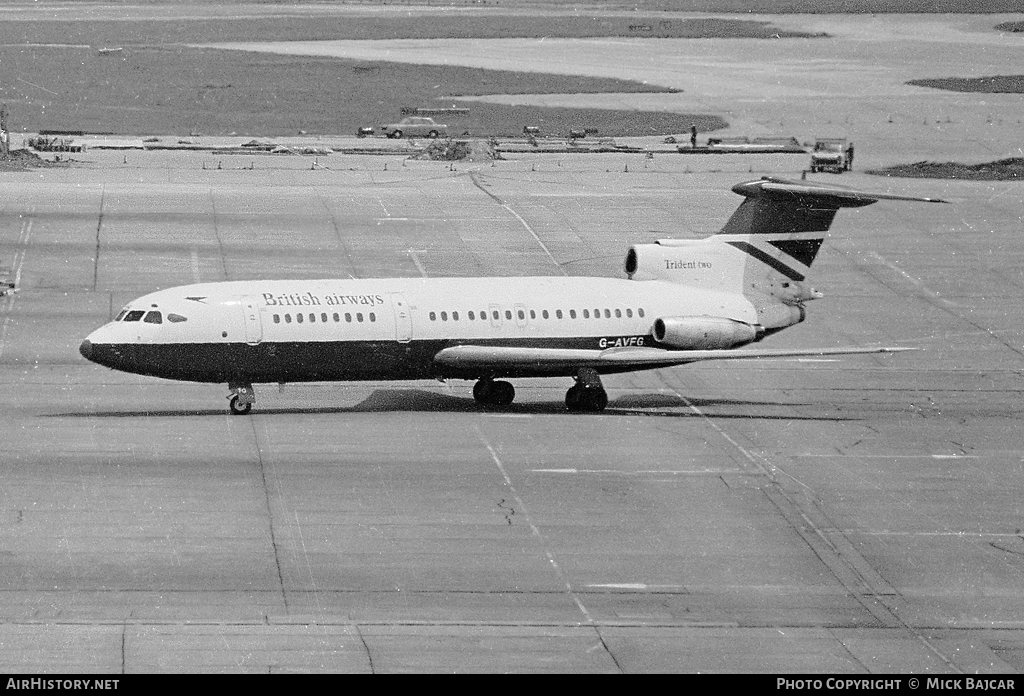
column 86, row 349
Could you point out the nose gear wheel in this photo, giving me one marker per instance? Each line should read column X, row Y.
column 241, row 399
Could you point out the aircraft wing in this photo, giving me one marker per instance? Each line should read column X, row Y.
column 551, row 359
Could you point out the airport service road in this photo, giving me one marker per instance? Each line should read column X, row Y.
column 847, row 515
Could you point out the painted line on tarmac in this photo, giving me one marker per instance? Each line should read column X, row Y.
column 832, row 547
column 642, row 472
column 916, row 282
column 890, row 456
column 533, row 528
column 524, row 223
column 416, row 260
column 966, row 535
column 635, row 586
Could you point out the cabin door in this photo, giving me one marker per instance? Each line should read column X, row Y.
column 403, row 318
column 253, row 323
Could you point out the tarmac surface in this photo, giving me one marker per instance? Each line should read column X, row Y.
column 847, row 515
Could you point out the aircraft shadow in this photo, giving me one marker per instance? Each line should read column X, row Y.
column 423, row 401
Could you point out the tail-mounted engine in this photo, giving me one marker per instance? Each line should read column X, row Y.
column 705, row 333
column 698, row 263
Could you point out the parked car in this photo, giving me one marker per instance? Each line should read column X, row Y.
column 415, row 127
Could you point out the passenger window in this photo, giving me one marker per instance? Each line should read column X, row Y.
column 522, row 314
column 336, row 318
column 373, row 317
column 496, row 316
column 597, row 313
column 444, row 316
column 154, row 318
column 572, row 313
column 348, row 317
column 533, row 314
column 287, row 318
column 640, row 312
column 134, row 315
column 471, row 317
column 312, row 317
column 277, row 318
column 544, row 314
column 298, row 318
column 323, row 317
column 508, row 314
column 558, row 313
column 629, row 313
column 455, row 316
column 176, row 318
column 618, row 313
column 607, row 314
column 359, row 316
column 433, row 316
column 586, row 313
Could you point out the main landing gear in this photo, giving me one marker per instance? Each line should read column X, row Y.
column 487, row 392
column 588, row 393
column 241, row 399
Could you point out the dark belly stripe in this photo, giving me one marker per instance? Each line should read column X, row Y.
column 314, row 361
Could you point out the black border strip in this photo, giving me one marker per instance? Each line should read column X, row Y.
column 767, row 260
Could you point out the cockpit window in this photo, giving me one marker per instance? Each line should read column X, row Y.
column 134, row 315
column 154, row 318
column 176, row 318
column 121, row 315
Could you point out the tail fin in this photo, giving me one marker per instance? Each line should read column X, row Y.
column 780, row 228
column 765, row 249
column 782, row 223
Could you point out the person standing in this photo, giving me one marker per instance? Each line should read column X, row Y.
column 693, row 135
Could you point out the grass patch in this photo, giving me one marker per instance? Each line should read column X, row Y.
column 53, row 77
column 1011, row 169
column 182, row 90
column 997, row 84
column 416, row 24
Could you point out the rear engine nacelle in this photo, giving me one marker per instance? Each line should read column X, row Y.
column 705, row 333
column 700, row 263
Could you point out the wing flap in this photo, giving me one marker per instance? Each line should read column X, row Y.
column 503, row 357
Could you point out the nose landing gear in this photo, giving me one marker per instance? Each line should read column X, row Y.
column 241, row 399
column 588, row 393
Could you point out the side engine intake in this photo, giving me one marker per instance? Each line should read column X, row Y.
column 705, row 333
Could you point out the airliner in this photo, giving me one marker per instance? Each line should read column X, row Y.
column 682, row 301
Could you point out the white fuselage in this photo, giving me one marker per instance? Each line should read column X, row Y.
column 314, row 330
